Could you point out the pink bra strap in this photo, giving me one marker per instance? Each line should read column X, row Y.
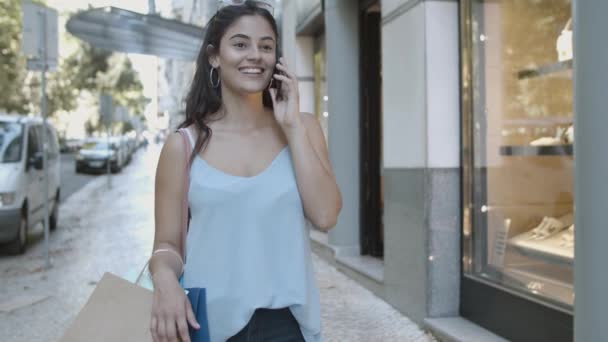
column 184, row 134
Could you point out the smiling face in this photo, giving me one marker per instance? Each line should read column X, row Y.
column 247, row 55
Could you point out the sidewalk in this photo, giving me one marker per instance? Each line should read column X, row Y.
column 103, row 230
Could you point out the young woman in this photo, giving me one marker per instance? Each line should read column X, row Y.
column 260, row 170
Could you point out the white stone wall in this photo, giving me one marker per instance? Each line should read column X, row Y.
column 421, row 92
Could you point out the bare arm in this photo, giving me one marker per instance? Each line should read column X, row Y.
column 317, row 184
column 171, row 309
column 169, row 192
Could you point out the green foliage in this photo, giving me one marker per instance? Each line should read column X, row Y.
column 86, row 63
column 125, row 87
column 126, row 127
column 91, row 127
column 87, row 69
column 12, row 64
column 100, row 71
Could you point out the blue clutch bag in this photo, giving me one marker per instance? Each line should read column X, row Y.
column 198, row 300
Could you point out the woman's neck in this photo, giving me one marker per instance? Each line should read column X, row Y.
column 243, row 112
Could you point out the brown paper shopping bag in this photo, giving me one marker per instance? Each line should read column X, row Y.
column 116, row 311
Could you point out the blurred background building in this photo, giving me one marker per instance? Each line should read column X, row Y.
column 176, row 75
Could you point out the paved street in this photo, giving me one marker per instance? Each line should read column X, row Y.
column 103, row 230
column 70, row 181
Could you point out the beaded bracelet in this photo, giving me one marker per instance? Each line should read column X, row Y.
column 172, row 252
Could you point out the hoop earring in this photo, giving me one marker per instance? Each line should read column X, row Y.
column 214, row 85
column 270, row 84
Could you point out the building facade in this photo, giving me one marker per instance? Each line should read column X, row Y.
column 451, row 129
column 175, row 76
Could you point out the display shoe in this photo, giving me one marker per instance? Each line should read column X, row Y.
column 569, row 135
column 568, row 237
column 537, row 231
column 564, row 43
column 549, row 226
column 546, row 141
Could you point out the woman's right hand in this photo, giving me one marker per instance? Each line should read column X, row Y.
column 171, row 310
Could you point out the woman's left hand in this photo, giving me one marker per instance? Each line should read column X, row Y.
column 287, row 108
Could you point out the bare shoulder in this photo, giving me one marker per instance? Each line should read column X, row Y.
column 174, row 142
column 173, row 150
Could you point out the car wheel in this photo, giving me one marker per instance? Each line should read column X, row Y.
column 19, row 245
column 53, row 218
column 116, row 168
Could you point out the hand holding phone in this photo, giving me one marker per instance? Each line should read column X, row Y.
column 275, row 83
column 285, row 97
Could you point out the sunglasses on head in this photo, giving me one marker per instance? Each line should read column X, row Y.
column 260, row 4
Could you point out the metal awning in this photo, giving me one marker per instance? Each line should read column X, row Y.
column 117, row 29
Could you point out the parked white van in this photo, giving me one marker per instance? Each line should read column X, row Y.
column 22, row 179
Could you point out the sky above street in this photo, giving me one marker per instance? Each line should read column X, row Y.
column 163, row 6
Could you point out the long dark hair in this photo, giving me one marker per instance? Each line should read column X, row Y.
column 203, row 99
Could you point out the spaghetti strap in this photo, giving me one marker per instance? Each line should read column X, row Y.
column 190, row 137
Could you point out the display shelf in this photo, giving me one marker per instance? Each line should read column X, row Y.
column 547, row 121
column 528, row 150
column 549, row 249
column 545, row 70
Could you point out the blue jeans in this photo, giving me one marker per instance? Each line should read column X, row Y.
column 270, row 325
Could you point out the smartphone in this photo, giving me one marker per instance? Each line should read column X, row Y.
column 276, row 84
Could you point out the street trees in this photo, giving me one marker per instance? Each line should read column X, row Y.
column 85, row 69
column 98, row 71
column 12, row 65
column 20, row 88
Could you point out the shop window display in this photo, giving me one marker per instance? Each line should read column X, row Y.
column 519, row 211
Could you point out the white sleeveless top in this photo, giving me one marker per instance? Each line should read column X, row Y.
column 248, row 246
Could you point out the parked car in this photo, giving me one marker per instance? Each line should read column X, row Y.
column 131, row 140
column 122, row 149
column 70, row 145
column 22, row 178
column 94, row 156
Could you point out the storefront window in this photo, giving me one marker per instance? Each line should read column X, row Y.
column 519, row 212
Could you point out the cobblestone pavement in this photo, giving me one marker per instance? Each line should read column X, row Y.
column 103, row 230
